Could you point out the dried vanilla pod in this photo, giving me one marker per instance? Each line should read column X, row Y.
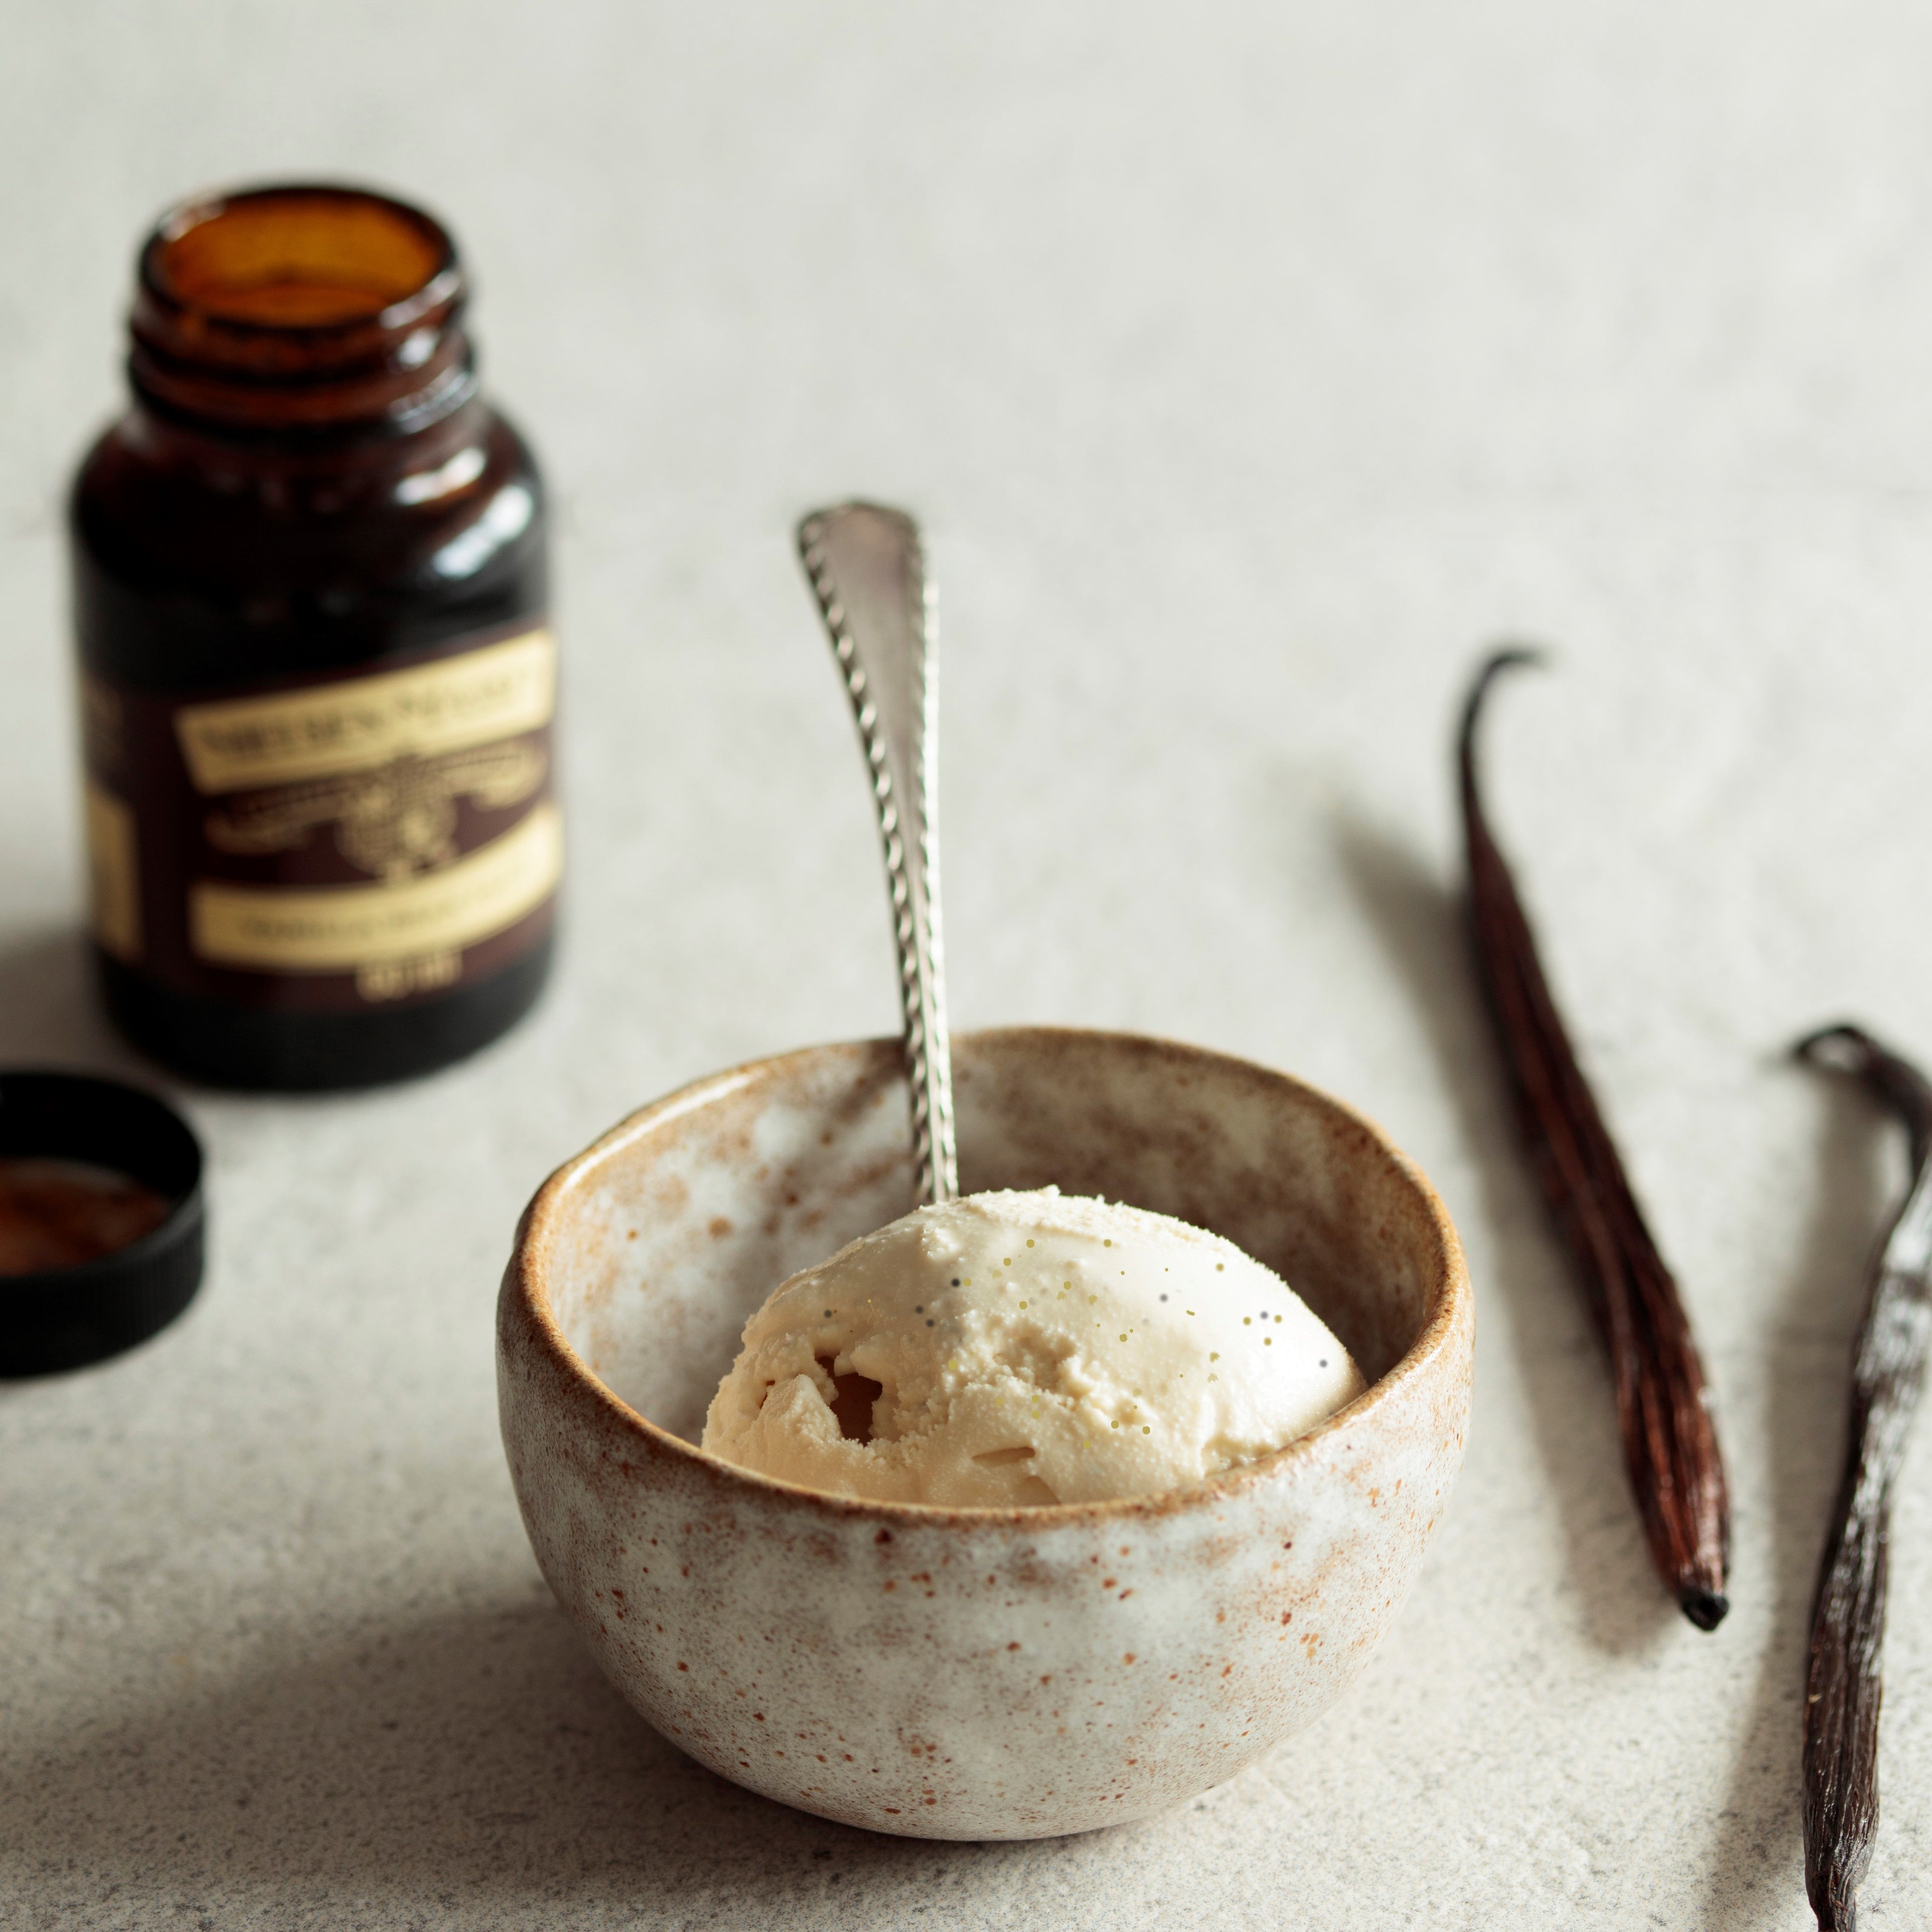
column 1843, row 1682
column 1670, row 1441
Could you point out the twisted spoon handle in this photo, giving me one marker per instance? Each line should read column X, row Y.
column 867, row 568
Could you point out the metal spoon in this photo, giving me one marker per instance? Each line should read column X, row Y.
column 867, row 568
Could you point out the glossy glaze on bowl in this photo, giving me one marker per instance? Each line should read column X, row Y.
column 970, row 1673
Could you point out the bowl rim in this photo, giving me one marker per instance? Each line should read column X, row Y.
column 536, row 1227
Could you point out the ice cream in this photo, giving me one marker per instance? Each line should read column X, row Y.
column 1017, row 1348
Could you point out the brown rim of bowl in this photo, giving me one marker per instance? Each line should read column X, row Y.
column 1452, row 1300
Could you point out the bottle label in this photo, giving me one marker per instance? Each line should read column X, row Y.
column 334, row 844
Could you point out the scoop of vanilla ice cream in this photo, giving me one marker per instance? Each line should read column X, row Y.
column 1016, row 1349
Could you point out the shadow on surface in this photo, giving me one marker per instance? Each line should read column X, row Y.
column 1758, row 1860
column 1621, row 1606
column 475, row 1763
column 49, row 1014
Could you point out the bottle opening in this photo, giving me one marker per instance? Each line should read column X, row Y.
column 298, row 258
column 298, row 307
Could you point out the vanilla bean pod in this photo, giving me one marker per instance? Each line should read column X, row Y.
column 1670, row 1443
column 1843, row 1683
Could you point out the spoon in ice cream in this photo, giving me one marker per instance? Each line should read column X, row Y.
column 1005, row 1349
column 867, row 568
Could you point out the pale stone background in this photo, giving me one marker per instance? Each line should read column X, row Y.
column 1253, row 367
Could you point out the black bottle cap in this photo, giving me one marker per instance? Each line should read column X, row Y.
column 64, row 1317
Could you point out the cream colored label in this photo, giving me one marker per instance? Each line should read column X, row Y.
column 356, row 928
column 114, row 872
column 326, row 730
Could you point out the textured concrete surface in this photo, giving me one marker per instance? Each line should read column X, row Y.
column 1253, row 368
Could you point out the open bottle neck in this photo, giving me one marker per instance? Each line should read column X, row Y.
column 301, row 310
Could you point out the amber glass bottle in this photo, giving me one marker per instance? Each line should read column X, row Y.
column 317, row 680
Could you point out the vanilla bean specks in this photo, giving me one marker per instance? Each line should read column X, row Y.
column 1843, row 1682
column 1670, row 1444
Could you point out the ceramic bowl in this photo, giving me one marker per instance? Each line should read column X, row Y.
column 960, row 1673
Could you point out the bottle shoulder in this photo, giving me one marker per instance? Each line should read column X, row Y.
column 154, row 501
column 195, row 559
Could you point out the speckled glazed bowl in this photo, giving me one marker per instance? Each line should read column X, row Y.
column 972, row 1673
